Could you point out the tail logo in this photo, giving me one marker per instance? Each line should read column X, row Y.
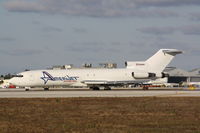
column 46, row 77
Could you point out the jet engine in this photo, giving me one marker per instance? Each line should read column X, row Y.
column 140, row 75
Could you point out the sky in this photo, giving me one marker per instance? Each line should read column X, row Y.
column 38, row 34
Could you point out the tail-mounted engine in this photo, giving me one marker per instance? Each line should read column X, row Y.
column 140, row 75
column 137, row 75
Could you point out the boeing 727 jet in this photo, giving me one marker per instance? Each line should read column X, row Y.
column 135, row 72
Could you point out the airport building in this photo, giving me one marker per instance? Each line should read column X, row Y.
column 85, row 65
column 183, row 77
column 108, row 65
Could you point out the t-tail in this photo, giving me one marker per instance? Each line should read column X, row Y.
column 157, row 62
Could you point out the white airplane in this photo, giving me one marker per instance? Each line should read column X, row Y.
column 135, row 72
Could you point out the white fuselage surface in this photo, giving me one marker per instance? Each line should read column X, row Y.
column 75, row 77
column 135, row 72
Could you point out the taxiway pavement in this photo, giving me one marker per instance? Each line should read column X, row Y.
column 102, row 93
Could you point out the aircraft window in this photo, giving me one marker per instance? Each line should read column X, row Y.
column 18, row 76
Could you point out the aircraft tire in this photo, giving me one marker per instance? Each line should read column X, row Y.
column 145, row 88
column 95, row 88
column 46, row 89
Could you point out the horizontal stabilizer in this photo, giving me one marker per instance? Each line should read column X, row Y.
column 173, row 51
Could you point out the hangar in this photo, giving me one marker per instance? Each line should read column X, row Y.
column 181, row 76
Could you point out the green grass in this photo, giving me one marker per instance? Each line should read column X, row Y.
column 100, row 115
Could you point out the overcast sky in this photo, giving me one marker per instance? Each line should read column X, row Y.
column 36, row 34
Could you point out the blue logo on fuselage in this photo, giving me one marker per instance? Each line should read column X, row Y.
column 46, row 77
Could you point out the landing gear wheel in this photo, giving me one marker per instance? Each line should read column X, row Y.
column 94, row 88
column 145, row 87
column 26, row 89
column 46, row 89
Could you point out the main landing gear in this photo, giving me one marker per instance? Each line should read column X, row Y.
column 145, row 87
column 94, row 88
column 46, row 89
column 97, row 88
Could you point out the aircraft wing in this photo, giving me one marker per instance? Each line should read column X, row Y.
column 112, row 83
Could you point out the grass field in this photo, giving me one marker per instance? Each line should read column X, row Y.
column 100, row 115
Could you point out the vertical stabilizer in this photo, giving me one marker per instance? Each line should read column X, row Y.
column 161, row 59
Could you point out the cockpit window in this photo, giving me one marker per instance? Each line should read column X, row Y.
column 19, row 75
